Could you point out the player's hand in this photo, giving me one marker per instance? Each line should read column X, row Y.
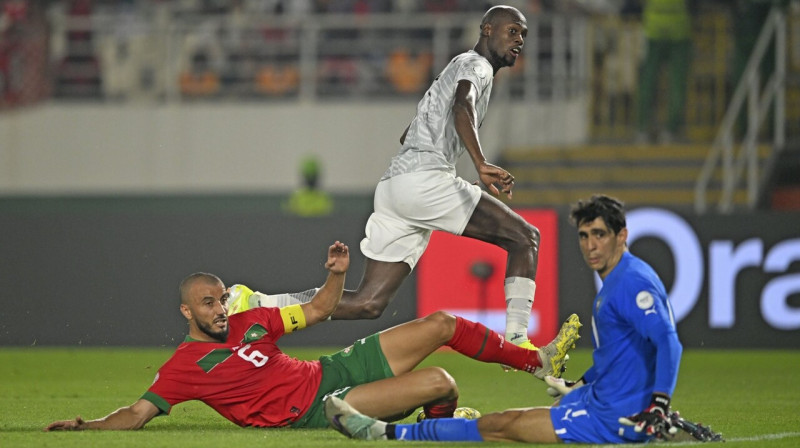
column 493, row 177
column 558, row 387
column 66, row 425
column 338, row 258
column 653, row 421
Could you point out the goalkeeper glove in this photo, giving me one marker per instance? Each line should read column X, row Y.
column 654, row 420
column 558, row 387
column 697, row 430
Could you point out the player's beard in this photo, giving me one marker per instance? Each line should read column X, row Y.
column 506, row 61
column 221, row 335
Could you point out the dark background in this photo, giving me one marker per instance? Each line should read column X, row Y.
column 105, row 271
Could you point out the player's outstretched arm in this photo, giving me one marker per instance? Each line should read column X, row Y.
column 134, row 416
column 327, row 298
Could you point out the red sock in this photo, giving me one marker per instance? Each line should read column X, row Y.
column 440, row 410
column 476, row 341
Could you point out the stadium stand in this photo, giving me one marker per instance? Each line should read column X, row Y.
column 645, row 175
column 107, row 50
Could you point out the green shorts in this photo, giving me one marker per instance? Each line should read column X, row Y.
column 363, row 362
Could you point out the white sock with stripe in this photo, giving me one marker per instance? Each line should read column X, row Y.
column 519, row 301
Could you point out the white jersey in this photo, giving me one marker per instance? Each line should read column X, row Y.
column 432, row 142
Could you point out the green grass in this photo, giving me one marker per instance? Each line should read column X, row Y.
column 747, row 395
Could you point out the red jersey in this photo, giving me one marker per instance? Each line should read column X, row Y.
column 247, row 379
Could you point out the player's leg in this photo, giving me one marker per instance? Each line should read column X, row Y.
column 378, row 286
column 524, row 425
column 519, row 425
column 398, row 395
column 495, row 223
column 243, row 298
column 406, row 345
column 392, row 245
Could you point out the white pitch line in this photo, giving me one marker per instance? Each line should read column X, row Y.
column 782, row 435
column 760, row 438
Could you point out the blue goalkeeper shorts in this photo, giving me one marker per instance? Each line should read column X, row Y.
column 575, row 420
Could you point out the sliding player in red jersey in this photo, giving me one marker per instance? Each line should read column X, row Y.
column 232, row 362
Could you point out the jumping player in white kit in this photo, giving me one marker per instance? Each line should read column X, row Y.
column 420, row 192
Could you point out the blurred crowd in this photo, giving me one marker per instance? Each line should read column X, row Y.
column 49, row 46
column 243, row 49
column 305, row 7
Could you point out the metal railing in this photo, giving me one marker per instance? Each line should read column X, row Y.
column 723, row 153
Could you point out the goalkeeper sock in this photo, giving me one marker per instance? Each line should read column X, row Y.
column 473, row 339
column 519, row 301
column 442, row 430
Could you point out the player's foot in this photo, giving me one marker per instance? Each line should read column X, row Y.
column 239, row 299
column 352, row 423
column 697, row 430
column 554, row 355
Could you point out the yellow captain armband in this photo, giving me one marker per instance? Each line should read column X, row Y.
column 293, row 318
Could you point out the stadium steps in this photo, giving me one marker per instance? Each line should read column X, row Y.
column 637, row 174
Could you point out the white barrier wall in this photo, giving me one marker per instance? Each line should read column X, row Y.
column 63, row 148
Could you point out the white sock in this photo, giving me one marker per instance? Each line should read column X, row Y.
column 281, row 300
column 519, row 300
column 259, row 299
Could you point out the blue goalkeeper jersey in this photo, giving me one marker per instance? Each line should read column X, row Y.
column 636, row 346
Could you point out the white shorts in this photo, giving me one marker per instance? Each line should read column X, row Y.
column 409, row 207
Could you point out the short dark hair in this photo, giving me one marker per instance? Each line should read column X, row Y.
column 187, row 282
column 612, row 211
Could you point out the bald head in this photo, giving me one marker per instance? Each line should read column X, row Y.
column 190, row 280
column 501, row 13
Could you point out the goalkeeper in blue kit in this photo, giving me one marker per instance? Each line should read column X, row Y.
column 624, row 397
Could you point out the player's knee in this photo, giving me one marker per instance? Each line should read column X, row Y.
column 441, row 383
column 365, row 303
column 529, row 237
column 373, row 308
column 535, row 234
column 442, row 323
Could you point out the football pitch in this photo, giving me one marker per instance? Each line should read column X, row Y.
column 752, row 397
